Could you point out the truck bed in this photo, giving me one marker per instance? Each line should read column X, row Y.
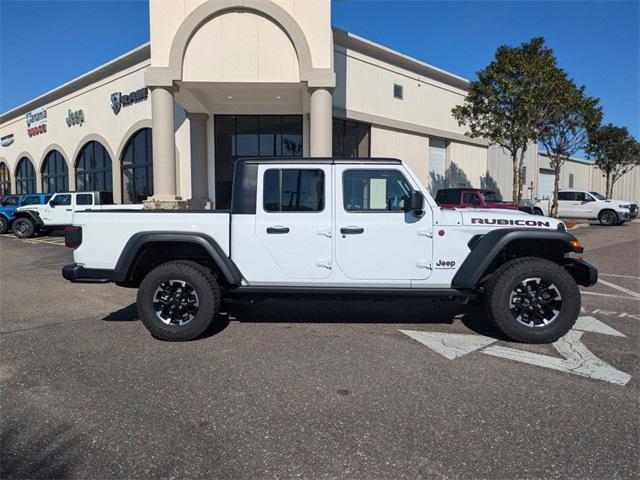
column 119, row 225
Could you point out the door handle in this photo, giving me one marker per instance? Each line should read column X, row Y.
column 277, row 230
column 351, row 230
column 68, row 209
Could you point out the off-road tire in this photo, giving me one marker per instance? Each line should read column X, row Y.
column 4, row 225
column 23, row 228
column 504, row 281
column 203, row 282
column 538, row 211
column 608, row 218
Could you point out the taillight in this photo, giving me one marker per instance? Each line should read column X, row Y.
column 72, row 236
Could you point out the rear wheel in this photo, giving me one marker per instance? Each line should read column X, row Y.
column 532, row 300
column 4, row 225
column 178, row 301
column 23, row 228
column 608, row 218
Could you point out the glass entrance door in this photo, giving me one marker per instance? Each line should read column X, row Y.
column 239, row 136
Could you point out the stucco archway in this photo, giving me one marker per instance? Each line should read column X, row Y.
column 165, row 76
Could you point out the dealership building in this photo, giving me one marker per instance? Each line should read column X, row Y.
column 225, row 79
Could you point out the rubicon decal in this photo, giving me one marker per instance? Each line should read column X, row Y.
column 503, row 221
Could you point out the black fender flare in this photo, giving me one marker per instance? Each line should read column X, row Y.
column 485, row 249
column 137, row 241
column 31, row 214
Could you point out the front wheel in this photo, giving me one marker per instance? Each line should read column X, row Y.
column 532, row 300
column 23, row 228
column 608, row 218
column 178, row 301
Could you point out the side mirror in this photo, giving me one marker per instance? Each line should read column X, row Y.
column 415, row 202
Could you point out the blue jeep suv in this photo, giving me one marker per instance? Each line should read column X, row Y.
column 10, row 204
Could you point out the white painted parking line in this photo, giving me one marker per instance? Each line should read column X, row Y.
column 620, row 289
column 608, row 295
column 616, row 275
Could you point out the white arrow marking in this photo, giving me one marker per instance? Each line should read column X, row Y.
column 450, row 345
column 578, row 359
column 590, row 324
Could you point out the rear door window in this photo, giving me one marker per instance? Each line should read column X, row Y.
column 84, row 199
column 31, row 200
column 293, row 190
column 471, row 198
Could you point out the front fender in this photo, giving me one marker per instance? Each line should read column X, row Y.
column 32, row 214
column 486, row 249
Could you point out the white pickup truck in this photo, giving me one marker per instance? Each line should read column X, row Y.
column 58, row 211
column 590, row 206
column 333, row 227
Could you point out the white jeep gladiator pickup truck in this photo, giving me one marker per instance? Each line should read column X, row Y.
column 590, row 206
column 339, row 227
column 58, row 211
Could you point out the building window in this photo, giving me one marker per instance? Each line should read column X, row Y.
column 238, row 136
column 55, row 175
column 25, row 177
column 93, row 169
column 5, row 180
column 137, row 168
column 398, row 91
column 351, row 139
column 571, row 180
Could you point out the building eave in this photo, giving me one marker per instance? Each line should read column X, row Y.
column 349, row 40
column 133, row 57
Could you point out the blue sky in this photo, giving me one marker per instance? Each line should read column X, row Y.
column 44, row 44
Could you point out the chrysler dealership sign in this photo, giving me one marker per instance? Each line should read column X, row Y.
column 36, row 121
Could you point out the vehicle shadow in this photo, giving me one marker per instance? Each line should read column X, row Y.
column 400, row 311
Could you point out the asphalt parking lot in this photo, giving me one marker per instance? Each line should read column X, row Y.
column 314, row 389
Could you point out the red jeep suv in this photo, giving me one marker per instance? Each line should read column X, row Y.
column 472, row 198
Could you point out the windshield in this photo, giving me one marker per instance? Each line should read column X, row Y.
column 598, row 196
column 491, row 197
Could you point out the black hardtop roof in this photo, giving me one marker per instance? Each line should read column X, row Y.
column 320, row 160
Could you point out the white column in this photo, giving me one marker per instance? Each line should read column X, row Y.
column 199, row 156
column 164, row 145
column 321, row 112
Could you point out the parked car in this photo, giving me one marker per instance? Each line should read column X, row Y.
column 11, row 203
column 293, row 231
column 475, row 198
column 590, row 206
column 58, row 212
